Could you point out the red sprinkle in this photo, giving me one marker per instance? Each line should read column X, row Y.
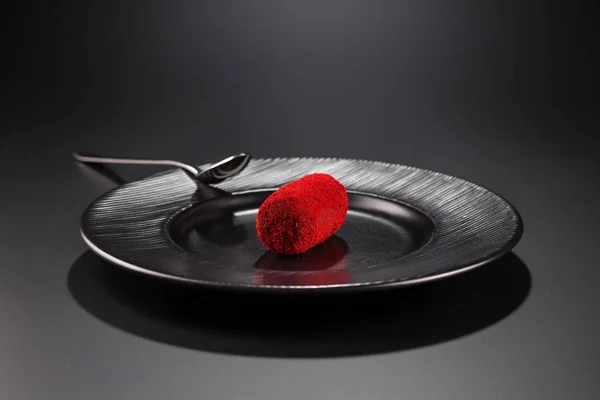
column 302, row 214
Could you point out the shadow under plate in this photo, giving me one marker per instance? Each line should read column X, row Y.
column 297, row 325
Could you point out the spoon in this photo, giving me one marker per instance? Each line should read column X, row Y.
column 216, row 173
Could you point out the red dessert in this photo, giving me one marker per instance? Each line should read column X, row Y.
column 302, row 214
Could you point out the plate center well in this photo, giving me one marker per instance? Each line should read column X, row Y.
column 223, row 231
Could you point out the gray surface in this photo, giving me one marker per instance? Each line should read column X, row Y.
column 466, row 90
column 52, row 348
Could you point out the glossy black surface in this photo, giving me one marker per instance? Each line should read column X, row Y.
column 501, row 93
column 405, row 226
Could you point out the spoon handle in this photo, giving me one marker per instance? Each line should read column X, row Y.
column 88, row 158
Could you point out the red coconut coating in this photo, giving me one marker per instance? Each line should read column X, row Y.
column 302, row 214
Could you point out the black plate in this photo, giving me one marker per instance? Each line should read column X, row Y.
column 405, row 226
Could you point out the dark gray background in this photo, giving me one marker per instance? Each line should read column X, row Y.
column 502, row 93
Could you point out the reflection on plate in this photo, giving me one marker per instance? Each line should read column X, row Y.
column 321, row 265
